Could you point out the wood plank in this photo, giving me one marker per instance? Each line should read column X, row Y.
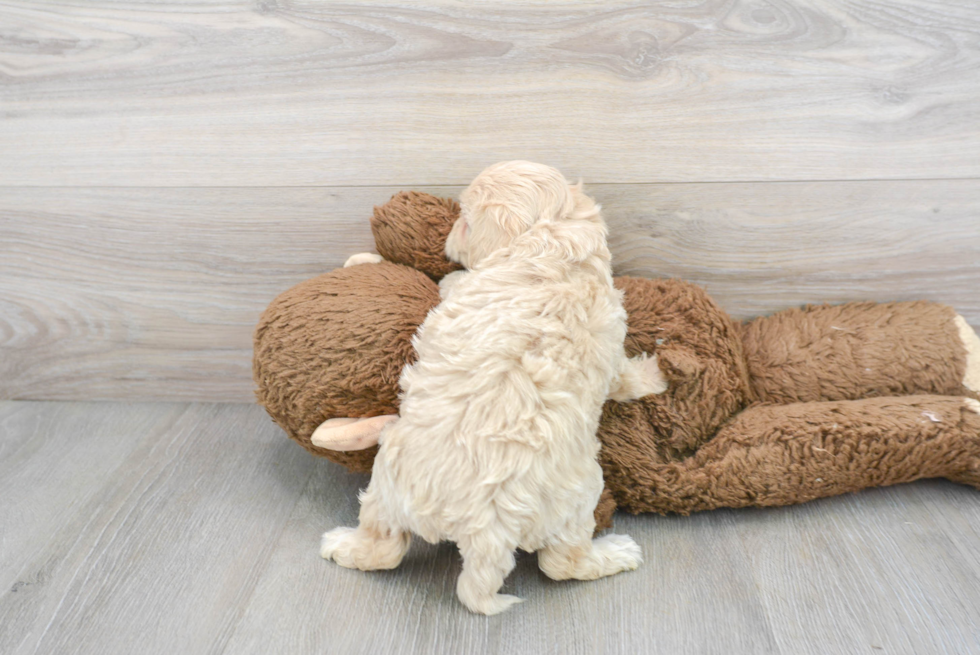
column 693, row 592
column 152, row 294
column 242, row 94
column 158, row 528
column 871, row 571
column 760, row 248
column 45, row 481
column 860, row 566
column 55, row 460
column 166, row 537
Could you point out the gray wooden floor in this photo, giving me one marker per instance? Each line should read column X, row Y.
column 193, row 528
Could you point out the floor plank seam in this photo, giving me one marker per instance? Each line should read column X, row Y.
column 437, row 185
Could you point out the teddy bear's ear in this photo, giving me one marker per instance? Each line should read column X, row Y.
column 412, row 228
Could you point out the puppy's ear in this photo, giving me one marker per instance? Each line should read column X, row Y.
column 579, row 239
column 582, row 232
column 509, row 220
column 583, row 206
column 575, row 233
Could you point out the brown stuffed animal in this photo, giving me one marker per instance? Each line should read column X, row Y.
column 803, row 404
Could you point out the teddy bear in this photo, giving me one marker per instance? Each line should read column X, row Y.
column 806, row 403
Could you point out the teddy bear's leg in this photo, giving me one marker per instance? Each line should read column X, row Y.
column 604, row 510
column 372, row 545
column 861, row 350
column 786, row 454
column 638, row 377
column 487, row 561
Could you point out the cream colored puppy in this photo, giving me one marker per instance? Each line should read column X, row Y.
column 495, row 446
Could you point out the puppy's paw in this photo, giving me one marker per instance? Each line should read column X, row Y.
column 337, row 544
column 356, row 548
column 449, row 281
column 604, row 556
column 363, row 258
column 972, row 405
column 618, row 552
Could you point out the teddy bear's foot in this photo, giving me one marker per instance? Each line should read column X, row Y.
column 363, row 258
column 971, row 380
column 358, row 548
column 346, row 434
column 595, row 559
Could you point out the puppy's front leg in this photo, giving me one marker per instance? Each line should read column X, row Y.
column 374, row 544
column 638, row 377
column 448, row 282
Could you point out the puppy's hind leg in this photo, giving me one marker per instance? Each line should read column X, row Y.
column 485, row 565
column 589, row 559
column 374, row 544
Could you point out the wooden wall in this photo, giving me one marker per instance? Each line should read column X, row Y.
column 167, row 168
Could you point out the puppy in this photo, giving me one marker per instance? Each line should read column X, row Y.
column 495, row 446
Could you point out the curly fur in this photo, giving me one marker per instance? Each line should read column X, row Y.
column 495, row 448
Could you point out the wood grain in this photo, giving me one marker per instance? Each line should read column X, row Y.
column 155, row 546
column 152, row 294
column 164, row 528
column 695, row 574
column 307, row 93
column 149, row 293
column 55, row 461
column 865, row 580
column 760, row 248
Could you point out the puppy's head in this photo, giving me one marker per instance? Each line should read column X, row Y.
column 515, row 198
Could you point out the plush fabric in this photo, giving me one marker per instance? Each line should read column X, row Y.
column 852, row 351
column 317, row 357
column 786, row 454
column 806, row 403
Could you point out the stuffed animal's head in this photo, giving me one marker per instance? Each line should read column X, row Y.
column 333, row 347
